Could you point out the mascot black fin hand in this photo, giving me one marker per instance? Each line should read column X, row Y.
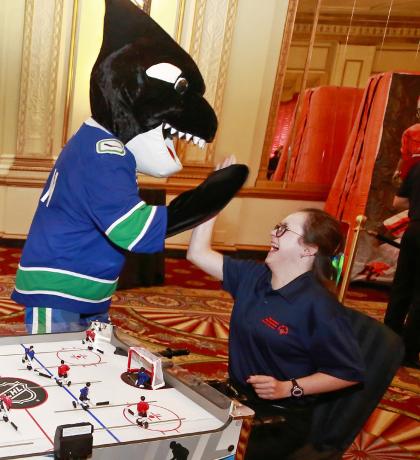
column 195, row 206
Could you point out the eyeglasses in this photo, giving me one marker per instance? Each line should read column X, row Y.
column 281, row 229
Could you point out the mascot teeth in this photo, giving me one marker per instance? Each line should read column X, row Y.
column 169, row 132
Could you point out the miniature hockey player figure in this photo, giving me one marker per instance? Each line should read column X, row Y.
column 142, row 408
column 63, row 370
column 83, row 397
column 90, row 338
column 5, row 406
column 29, row 356
column 143, row 378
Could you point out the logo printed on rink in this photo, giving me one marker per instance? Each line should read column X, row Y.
column 79, row 356
column 24, row 393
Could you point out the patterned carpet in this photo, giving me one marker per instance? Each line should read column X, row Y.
column 183, row 315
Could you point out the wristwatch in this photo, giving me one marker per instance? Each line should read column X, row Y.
column 296, row 391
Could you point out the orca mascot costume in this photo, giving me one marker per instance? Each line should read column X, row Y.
column 144, row 90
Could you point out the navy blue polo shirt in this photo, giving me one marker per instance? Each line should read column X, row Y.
column 286, row 333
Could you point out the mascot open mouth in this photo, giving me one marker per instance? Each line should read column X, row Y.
column 169, row 132
column 154, row 150
column 148, row 91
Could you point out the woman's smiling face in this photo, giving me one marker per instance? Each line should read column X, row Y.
column 287, row 239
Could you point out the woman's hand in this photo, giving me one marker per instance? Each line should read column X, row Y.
column 268, row 387
column 230, row 160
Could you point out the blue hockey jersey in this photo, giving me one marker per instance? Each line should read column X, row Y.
column 88, row 212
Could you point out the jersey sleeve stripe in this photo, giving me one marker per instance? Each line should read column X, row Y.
column 145, row 228
column 124, row 217
column 129, row 231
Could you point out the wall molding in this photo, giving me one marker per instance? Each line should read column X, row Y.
column 267, row 190
column 223, row 69
column 38, row 85
column 211, row 43
column 24, row 77
column 359, row 32
column 171, row 249
column 277, row 90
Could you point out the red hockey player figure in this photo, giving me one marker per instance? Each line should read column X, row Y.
column 28, row 357
column 83, row 397
column 90, row 338
column 143, row 378
column 5, row 406
column 63, row 372
column 142, row 408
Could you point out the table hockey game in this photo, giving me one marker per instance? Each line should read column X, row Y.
column 187, row 419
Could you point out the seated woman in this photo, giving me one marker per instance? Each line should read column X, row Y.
column 289, row 338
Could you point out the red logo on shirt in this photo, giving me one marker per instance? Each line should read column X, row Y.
column 270, row 322
column 283, row 329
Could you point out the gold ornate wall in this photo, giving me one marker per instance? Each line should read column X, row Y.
column 235, row 44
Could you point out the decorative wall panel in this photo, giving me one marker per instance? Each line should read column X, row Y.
column 40, row 58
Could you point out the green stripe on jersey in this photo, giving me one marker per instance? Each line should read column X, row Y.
column 126, row 231
column 42, row 320
column 55, row 283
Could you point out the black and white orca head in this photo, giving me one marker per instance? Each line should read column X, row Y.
column 146, row 90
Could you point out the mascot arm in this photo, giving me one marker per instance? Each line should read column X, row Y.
column 195, row 206
column 114, row 205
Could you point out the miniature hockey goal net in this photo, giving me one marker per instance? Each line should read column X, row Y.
column 139, row 357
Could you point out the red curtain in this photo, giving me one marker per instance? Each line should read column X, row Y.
column 323, row 128
column 363, row 184
column 349, row 192
column 348, row 195
column 283, row 122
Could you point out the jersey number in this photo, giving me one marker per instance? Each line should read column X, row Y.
column 49, row 193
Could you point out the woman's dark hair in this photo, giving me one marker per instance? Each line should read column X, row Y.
column 323, row 230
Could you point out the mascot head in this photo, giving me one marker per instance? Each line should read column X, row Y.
column 146, row 89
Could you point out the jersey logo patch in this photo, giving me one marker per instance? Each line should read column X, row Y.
column 111, row 146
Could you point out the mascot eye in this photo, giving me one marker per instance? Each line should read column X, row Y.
column 181, row 85
column 164, row 71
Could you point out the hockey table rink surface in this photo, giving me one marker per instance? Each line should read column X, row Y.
column 171, row 412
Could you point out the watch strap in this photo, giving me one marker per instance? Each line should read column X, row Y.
column 296, row 390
